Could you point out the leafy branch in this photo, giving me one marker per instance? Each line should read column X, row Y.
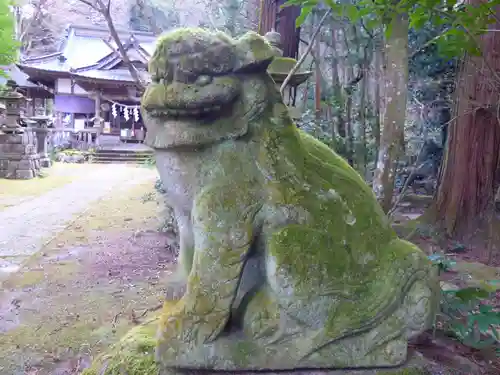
column 466, row 21
column 104, row 8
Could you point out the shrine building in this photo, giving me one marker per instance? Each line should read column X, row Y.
column 91, row 85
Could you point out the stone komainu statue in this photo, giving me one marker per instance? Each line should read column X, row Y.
column 290, row 261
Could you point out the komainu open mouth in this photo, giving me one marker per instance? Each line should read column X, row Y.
column 207, row 111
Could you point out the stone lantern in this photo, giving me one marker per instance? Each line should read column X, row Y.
column 40, row 127
column 14, row 103
column 19, row 158
column 281, row 66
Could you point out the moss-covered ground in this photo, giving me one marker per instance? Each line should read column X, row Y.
column 13, row 192
column 90, row 285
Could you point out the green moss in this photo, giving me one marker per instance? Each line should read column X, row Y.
column 180, row 35
column 220, row 52
column 133, row 355
column 281, row 65
column 350, row 240
column 217, row 51
column 253, row 48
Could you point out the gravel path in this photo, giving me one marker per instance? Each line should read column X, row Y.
column 26, row 227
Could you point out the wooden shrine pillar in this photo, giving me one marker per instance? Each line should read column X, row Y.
column 98, row 123
column 281, row 20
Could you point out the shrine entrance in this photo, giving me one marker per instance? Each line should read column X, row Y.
column 125, row 121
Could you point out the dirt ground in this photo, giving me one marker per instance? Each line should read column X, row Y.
column 88, row 286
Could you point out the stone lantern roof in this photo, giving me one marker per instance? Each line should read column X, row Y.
column 281, row 66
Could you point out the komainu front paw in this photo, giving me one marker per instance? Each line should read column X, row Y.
column 176, row 325
column 186, row 326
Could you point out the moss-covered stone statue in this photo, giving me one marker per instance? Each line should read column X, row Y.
column 290, row 261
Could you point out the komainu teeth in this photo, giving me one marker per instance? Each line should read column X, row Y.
column 176, row 112
column 158, row 113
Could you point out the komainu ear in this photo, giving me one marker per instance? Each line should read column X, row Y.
column 254, row 53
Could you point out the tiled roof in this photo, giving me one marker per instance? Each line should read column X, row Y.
column 16, row 75
column 122, row 75
column 86, row 47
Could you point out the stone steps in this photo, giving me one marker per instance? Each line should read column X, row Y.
column 121, row 157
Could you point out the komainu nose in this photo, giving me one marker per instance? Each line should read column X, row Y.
column 203, row 80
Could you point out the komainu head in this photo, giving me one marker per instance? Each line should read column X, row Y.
column 206, row 87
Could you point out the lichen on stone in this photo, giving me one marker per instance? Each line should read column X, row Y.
column 173, row 53
column 281, row 65
column 292, row 262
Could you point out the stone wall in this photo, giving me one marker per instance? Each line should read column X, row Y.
column 19, row 158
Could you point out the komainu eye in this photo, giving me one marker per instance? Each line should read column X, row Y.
column 185, row 77
column 158, row 79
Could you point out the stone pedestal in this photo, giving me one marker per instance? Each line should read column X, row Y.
column 18, row 155
column 42, row 146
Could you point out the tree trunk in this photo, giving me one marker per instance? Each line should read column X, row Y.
column 360, row 149
column 338, row 125
column 396, row 81
column 348, row 92
column 378, row 68
column 105, row 11
column 116, row 38
column 471, row 165
column 317, row 75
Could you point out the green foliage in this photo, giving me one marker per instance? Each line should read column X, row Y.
column 469, row 317
column 432, row 75
column 150, row 162
column 321, row 130
column 152, row 195
column 443, row 263
column 465, row 312
column 466, row 21
column 8, row 45
column 42, row 174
